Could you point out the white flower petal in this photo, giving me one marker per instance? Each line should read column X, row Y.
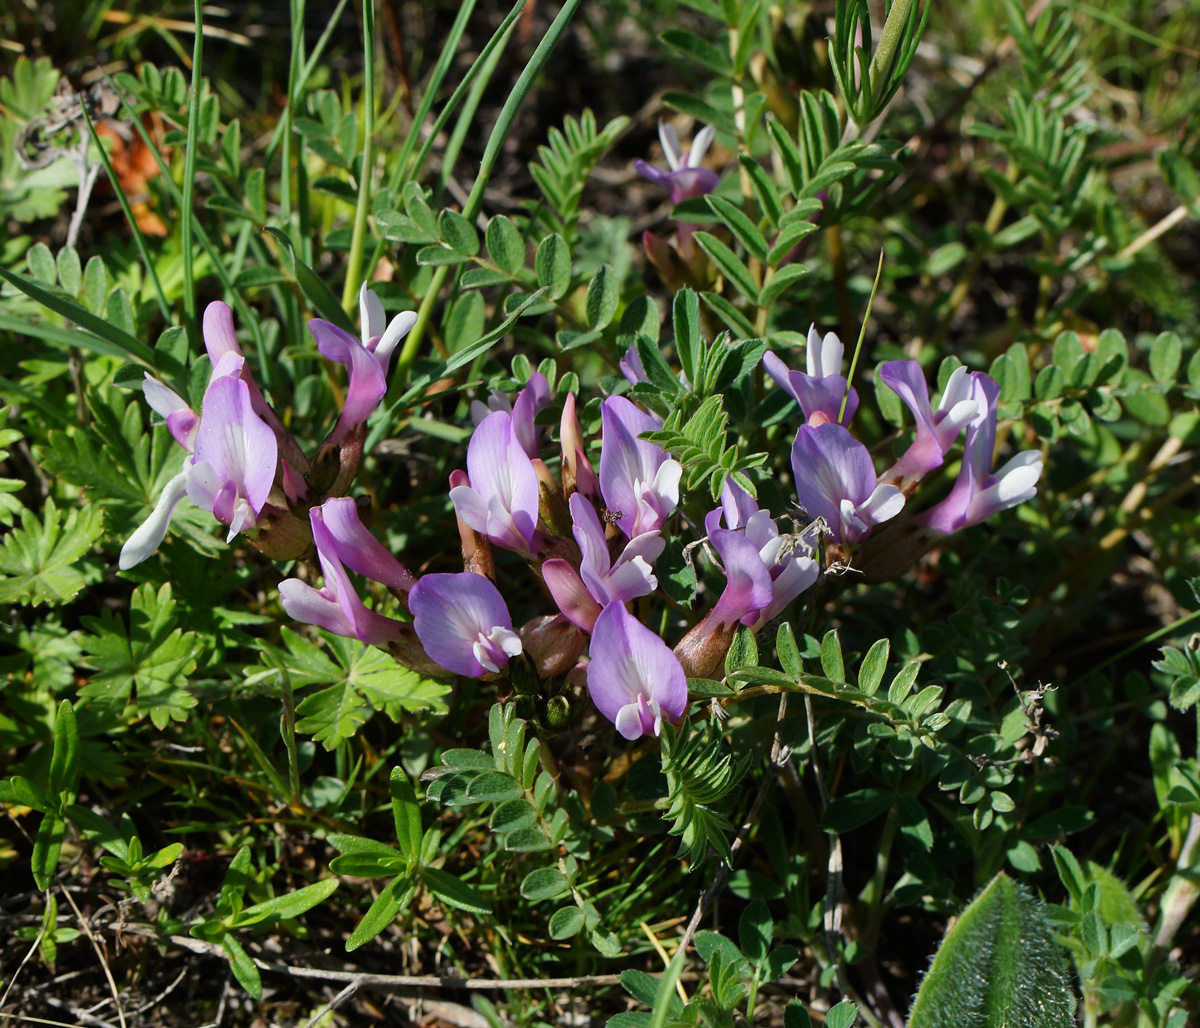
column 147, row 537
column 400, row 326
column 371, row 318
column 670, row 144
column 699, row 145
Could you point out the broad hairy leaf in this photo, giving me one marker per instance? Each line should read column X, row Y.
column 999, row 966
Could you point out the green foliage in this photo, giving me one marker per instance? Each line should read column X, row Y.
column 998, row 965
column 563, row 166
column 933, row 713
column 142, row 669
column 42, row 562
column 357, row 681
column 699, row 443
column 699, row 775
column 231, row 914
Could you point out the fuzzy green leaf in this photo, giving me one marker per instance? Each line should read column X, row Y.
column 999, row 965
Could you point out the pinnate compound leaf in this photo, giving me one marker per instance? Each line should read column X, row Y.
column 148, row 663
column 999, row 965
column 38, row 560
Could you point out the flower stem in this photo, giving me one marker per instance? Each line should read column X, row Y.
column 354, row 266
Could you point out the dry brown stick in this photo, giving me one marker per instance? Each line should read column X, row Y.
column 404, row 981
column 333, row 1004
column 87, row 930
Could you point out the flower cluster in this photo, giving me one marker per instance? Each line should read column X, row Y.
column 590, row 534
column 835, row 476
column 242, row 464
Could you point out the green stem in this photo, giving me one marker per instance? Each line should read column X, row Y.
column 465, row 118
column 289, row 733
column 885, row 52
column 354, row 266
column 490, row 154
column 189, row 171
column 401, row 172
column 138, row 239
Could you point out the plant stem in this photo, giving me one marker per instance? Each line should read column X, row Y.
column 354, row 264
column 189, row 172
column 289, row 732
column 491, row 153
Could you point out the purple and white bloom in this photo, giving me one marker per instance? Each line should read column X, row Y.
column 365, row 359
column 233, row 467
column 835, row 480
column 501, row 501
column 231, row 470
column 633, row 678
column 686, row 178
column 819, row 392
column 354, row 545
column 748, row 589
column 530, row 401
column 380, row 336
column 639, row 482
column 463, row 623
column 936, row 430
column 600, row 581
column 181, row 420
column 977, row 494
column 337, row 607
column 790, row 572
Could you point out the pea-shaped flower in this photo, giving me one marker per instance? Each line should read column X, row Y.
column 463, row 623
column 633, row 678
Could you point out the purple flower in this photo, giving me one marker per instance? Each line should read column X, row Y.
column 530, row 400
column 231, row 472
column 634, row 679
column 354, row 545
column 225, row 353
column 631, row 366
column 747, row 581
column 977, row 495
column 337, row 607
column 686, row 178
column 835, row 480
column 600, row 581
column 463, row 623
column 366, row 360
column 501, row 501
column 639, row 482
column 182, row 421
column 820, row 392
column 936, row 430
column 790, row 573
